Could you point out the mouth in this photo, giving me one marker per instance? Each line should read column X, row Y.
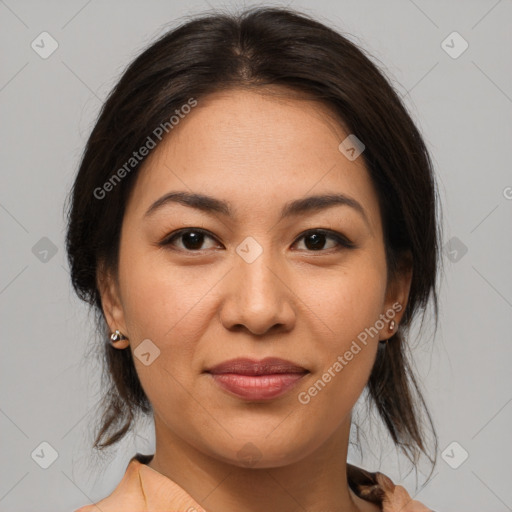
column 257, row 380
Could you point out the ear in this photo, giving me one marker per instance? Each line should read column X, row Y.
column 112, row 304
column 397, row 295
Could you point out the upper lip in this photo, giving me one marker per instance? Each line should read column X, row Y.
column 267, row 366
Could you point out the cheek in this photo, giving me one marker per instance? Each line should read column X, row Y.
column 162, row 301
column 347, row 300
column 346, row 307
column 162, row 304
column 171, row 306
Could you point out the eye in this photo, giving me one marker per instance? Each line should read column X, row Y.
column 192, row 239
column 315, row 240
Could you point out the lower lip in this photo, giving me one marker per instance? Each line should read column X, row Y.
column 257, row 387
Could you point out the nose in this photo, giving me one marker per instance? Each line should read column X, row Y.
column 257, row 297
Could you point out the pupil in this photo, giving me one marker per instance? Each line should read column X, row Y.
column 192, row 240
column 317, row 239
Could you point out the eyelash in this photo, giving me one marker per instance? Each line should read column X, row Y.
column 342, row 241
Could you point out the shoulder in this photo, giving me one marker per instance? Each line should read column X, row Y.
column 378, row 488
column 143, row 488
column 128, row 493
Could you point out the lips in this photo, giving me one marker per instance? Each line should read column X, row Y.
column 257, row 380
column 267, row 366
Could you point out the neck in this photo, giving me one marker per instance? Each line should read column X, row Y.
column 317, row 482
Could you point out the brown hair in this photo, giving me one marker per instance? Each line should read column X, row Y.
column 261, row 47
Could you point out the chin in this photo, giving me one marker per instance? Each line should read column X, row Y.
column 261, row 451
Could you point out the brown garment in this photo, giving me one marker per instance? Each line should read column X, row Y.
column 143, row 489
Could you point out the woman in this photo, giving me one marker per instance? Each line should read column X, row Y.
column 254, row 220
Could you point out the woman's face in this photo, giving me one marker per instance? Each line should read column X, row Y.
column 255, row 278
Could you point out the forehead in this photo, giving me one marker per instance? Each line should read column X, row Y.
column 255, row 151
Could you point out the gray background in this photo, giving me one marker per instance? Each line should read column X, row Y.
column 463, row 106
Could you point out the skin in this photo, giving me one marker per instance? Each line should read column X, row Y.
column 201, row 306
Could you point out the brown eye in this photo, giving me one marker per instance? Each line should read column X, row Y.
column 316, row 240
column 192, row 239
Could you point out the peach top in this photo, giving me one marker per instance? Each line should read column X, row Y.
column 143, row 489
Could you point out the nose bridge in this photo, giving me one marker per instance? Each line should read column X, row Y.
column 258, row 297
column 257, row 270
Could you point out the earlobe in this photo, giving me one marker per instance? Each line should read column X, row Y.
column 112, row 307
column 397, row 296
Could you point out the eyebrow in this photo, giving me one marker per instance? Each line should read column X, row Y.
column 296, row 207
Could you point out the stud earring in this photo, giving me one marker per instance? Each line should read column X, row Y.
column 391, row 328
column 117, row 336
